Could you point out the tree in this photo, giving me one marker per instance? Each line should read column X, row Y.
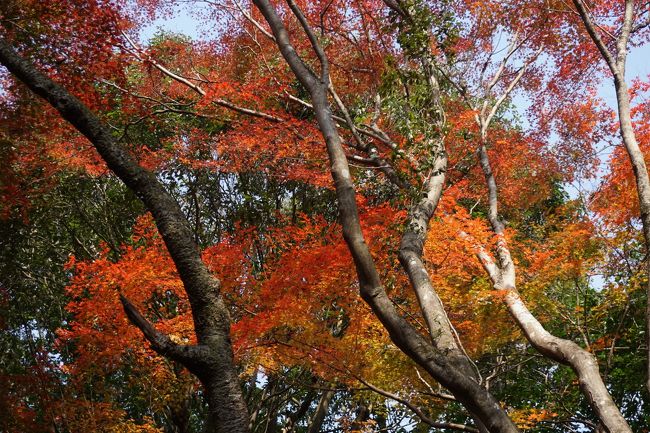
column 630, row 23
column 211, row 358
column 245, row 279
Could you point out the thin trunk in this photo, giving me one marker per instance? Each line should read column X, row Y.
column 321, row 412
column 443, row 336
column 444, row 368
column 292, row 422
column 616, row 61
column 363, row 414
column 583, row 363
column 410, row 256
column 642, row 187
column 180, row 416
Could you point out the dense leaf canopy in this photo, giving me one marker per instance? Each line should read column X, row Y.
column 501, row 202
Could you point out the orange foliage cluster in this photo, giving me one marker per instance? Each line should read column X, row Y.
column 301, row 305
column 103, row 339
column 302, row 309
column 289, row 151
column 617, row 201
column 527, row 419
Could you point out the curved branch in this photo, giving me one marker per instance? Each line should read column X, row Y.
column 593, row 33
column 417, row 411
column 190, row 356
column 322, row 58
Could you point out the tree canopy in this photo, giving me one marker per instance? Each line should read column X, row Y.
column 324, row 216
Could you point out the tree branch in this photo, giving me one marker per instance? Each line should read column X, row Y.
column 198, row 89
column 189, row 356
column 417, row 411
column 593, row 33
column 324, row 63
column 626, row 29
column 509, row 89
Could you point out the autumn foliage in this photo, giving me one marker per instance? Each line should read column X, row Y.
column 231, row 134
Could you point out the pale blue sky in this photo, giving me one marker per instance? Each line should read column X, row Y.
column 185, row 23
column 182, row 22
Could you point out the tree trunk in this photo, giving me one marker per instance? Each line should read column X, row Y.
column 211, row 360
column 321, row 412
column 642, row 187
column 616, row 61
column 445, row 368
column 293, row 419
column 567, row 352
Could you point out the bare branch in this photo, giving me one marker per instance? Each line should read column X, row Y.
column 253, row 21
column 370, row 150
column 367, row 130
column 417, row 411
column 595, row 36
column 198, row 89
column 484, row 257
column 642, row 25
column 514, row 45
column 510, row 88
column 189, row 356
column 324, row 63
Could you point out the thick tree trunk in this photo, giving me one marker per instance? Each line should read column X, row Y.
column 227, row 411
column 212, row 359
column 443, row 337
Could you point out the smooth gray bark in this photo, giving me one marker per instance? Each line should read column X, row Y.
column 446, row 369
column 616, row 62
column 566, row 352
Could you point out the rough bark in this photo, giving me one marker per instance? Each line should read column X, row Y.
column 410, row 256
column 445, row 369
column 212, row 359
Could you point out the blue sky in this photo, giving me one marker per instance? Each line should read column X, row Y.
column 185, row 23
column 182, row 22
column 638, row 66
